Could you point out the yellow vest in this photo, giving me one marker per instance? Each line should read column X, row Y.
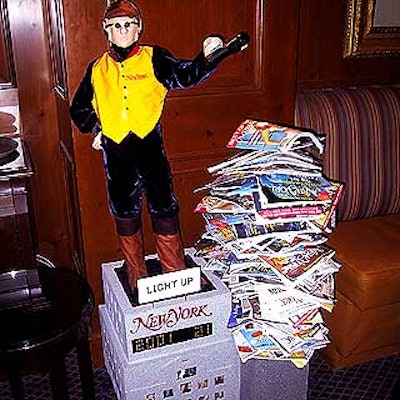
column 127, row 96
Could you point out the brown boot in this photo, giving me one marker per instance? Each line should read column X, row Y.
column 170, row 252
column 133, row 250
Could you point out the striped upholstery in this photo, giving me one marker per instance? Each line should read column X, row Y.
column 363, row 144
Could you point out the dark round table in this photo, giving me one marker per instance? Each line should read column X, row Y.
column 45, row 314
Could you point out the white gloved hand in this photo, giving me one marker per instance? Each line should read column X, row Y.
column 96, row 144
column 212, row 43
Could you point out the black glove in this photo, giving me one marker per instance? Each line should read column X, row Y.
column 236, row 44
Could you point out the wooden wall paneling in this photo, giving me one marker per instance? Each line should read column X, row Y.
column 4, row 73
column 39, row 126
column 56, row 34
column 84, row 41
column 197, row 122
column 7, row 67
column 321, row 62
column 258, row 83
column 55, row 27
column 76, row 251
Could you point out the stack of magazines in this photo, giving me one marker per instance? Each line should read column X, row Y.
column 268, row 211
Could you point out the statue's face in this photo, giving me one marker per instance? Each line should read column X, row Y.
column 122, row 31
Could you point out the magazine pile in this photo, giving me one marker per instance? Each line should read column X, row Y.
column 268, row 211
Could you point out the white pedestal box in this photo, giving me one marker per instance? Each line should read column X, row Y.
column 160, row 327
column 190, row 370
column 181, row 348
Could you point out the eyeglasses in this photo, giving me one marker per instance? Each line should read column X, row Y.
column 126, row 25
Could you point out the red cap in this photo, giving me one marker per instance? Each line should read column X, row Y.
column 122, row 8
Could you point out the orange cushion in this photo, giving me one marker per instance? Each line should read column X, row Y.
column 369, row 251
column 359, row 336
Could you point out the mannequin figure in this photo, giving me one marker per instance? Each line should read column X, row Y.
column 120, row 102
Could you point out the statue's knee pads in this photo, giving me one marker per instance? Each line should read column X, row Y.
column 165, row 226
column 128, row 226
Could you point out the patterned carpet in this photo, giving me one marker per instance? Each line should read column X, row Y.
column 371, row 381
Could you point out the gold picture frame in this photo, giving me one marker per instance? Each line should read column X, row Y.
column 372, row 28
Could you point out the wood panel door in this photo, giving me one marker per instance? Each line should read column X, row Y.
column 197, row 122
column 39, row 126
column 54, row 19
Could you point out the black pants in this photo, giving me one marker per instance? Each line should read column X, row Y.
column 135, row 166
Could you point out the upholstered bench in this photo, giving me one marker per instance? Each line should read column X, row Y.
column 362, row 126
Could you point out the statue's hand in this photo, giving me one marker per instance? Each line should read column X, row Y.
column 212, row 43
column 96, row 144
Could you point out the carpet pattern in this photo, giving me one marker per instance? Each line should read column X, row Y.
column 371, row 381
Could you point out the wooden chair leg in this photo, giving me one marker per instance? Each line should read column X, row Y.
column 58, row 379
column 85, row 368
column 16, row 384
